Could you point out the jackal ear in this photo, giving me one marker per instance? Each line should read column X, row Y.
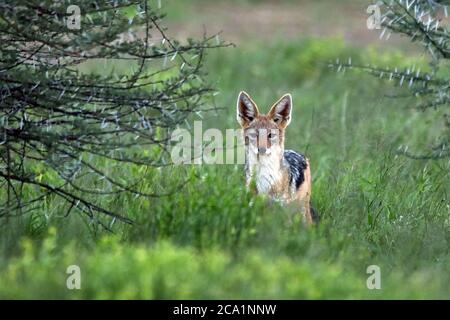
column 280, row 113
column 247, row 111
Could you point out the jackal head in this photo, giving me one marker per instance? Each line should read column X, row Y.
column 264, row 133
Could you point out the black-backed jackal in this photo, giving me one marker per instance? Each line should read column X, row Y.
column 283, row 175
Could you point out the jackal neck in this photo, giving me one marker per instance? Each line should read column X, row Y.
column 269, row 172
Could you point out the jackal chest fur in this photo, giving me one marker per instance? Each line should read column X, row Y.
column 279, row 175
column 269, row 175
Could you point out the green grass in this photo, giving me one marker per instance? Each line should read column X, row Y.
column 212, row 239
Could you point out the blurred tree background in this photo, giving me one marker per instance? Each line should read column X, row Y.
column 89, row 113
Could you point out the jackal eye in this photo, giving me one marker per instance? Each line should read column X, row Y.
column 271, row 135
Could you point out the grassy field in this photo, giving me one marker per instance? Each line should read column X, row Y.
column 212, row 239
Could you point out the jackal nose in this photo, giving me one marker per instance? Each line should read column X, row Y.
column 262, row 150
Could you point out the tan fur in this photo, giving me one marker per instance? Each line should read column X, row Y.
column 304, row 195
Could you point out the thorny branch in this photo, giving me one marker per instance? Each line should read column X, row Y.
column 68, row 131
column 421, row 21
